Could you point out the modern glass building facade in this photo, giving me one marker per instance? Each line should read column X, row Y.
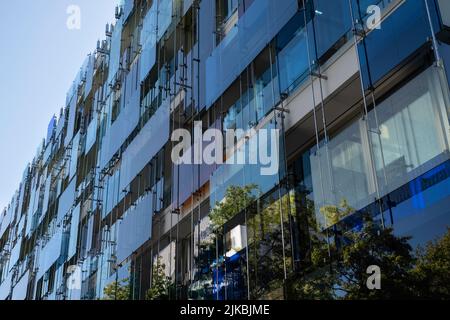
column 363, row 113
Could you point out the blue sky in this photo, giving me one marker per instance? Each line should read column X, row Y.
column 39, row 60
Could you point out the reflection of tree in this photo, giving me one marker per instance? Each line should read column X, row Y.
column 341, row 272
column 160, row 282
column 267, row 255
column 334, row 214
column 202, row 288
column 208, row 263
column 329, row 264
column 313, row 279
column 432, row 269
column 379, row 247
column 403, row 275
column 236, row 199
column 265, row 238
column 117, row 290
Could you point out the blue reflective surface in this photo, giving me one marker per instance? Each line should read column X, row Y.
column 402, row 33
column 254, row 30
column 292, row 47
column 332, row 21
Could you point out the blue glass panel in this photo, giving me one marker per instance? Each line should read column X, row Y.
column 50, row 252
column 91, row 133
column 403, row 32
column 205, row 45
column 240, row 170
column 135, row 228
column 114, row 55
column 145, row 146
column 148, row 59
column 128, row 6
column 293, row 66
column 46, row 195
column 47, row 153
column 20, row 289
column 122, row 127
column 5, row 286
column 74, row 156
column 71, row 123
column 73, row 240
column 426, row 214
column 331, row 22
column 164, row 16
column 66, row 201
column 148, row 42
column 412, row 137
column 15, row 254
column 254, row 30
column 186, row 5
column 50, row 129
column 89, row 75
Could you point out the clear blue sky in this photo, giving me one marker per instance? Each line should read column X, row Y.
column 39, row 59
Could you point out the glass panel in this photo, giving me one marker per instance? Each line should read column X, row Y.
column 30, row 225
column 148, row 60
column 74, row 156
column 128, row 6
column 15, row 254
column 254, row 103
column 66, row 201
column 90, row 231
column 121, row 128
column 89, row 75
column 144, row 147
column 293, row 54
column 401, row 33
column 91, row 134
column 50, row 252
column 254, row 30
column 73, row 240
column 5, row 286
column 241, row 170
column 164, row 16
column 411, row 138
column 268, row 256
column 341, row 174
column 235, row 257
column 114, row 55
column 135, row 228
column 20, row 289
column 46, row 195
column 166, row 257
column 149, row 25
column 204, row 257
column 331, row 22
column 71, row 122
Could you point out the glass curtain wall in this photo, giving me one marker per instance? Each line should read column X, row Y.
column 286, row 226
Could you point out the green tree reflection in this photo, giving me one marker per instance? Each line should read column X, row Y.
column 117, row 290
column 160, row 282
column 341, row 272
